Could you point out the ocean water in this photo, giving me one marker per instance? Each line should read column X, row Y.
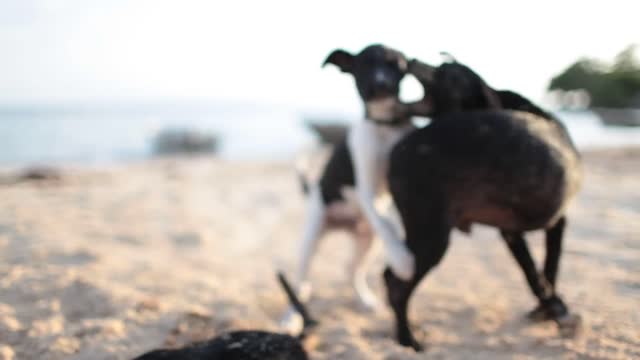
column 94, row 135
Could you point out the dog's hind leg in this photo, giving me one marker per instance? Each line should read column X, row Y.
column 538, row 284
column 569, row 324
column 359, row 264
column 554, row 237
column 520, row 251
column 553, row 244
column 363, row 254
column 551, row 306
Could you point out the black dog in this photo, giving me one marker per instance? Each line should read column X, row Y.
column 515, row 170
column 453, row 87
column 245, row 345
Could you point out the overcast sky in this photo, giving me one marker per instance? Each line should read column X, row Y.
column 271, row 51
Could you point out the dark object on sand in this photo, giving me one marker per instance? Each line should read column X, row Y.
column 480, row 162
column 248, row 344
column 184, row 141
column 39, row 173
column 329, row 133
column 618, row 117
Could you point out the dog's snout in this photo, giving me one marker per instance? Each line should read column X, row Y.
column 381, row 84
column 381, row 78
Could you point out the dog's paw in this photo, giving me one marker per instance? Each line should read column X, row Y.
column 368, row 301
column 539, row 314
column 411, row 342
column 366, row 298
column 291, row 322
column 401, row 261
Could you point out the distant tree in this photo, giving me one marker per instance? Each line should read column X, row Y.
column 615, row 86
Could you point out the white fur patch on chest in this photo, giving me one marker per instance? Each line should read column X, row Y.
column 381, row 109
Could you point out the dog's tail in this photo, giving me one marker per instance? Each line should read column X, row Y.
column 308, row 322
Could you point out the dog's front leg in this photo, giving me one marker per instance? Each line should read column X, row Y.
column 314, row 228
column 313, row 231
column 367, row 160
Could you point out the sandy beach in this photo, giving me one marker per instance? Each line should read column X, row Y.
column 106, row 263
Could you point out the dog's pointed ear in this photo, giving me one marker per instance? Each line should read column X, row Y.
column 341, row 59
column 447, row 57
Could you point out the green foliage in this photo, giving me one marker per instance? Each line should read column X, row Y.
column 615, row 86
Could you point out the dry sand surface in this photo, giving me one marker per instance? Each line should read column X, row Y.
column 108, row 263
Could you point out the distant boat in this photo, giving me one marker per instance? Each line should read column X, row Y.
column 618, row 117
column 185, row 141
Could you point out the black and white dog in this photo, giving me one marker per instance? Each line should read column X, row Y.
column 247, row 344
column 514, row 170
column 350, row 192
